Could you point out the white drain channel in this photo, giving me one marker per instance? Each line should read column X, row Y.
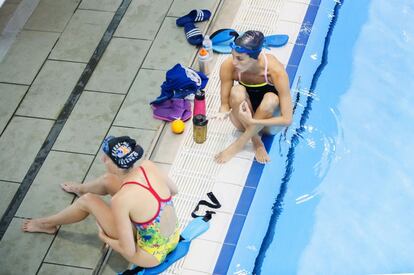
column 194, row 169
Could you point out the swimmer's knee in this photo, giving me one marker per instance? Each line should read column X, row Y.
column 237, row 94
column 269, row 103
column 86, row 199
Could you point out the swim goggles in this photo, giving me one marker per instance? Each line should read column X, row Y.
column 241, row 49
column 105, row 144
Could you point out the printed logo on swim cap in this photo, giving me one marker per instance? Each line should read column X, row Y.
column 193, row 75
column 121, row 149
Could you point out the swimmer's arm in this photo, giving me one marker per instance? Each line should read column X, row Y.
column 172, row 186
column 125, row 244
column 226, row 83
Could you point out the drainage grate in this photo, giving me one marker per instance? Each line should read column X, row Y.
column 194, row 169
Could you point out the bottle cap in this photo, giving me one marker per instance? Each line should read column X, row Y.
column 203, row 52
column 200, row 120
column 200, row 95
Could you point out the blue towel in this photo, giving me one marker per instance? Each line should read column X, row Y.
column 180, row 82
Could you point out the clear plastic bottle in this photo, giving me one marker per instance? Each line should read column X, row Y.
column 204, row 61
column 208, row 45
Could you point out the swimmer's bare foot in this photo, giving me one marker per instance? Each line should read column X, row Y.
column 72, row 187
column 261, row 154
column 228, row 153
column 36, row 225
column 260, row 150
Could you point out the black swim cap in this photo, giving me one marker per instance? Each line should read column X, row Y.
column 123, row 151
column 252, row 41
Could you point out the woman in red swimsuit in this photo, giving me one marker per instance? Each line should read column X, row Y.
column 140, row 223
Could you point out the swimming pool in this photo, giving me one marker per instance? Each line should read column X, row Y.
column 340, row 181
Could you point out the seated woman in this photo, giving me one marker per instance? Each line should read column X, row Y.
column 141, row 206
column 260, row 100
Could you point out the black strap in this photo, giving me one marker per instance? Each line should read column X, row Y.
column 133, row 271
column 213, row 204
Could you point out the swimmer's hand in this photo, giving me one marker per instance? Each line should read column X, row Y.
column 221, row 115
column 102, row 234
column 245, row 114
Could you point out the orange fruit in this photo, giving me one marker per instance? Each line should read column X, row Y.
column 177, row 126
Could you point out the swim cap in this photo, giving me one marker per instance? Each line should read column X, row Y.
column 251, row 43
column 123, row 151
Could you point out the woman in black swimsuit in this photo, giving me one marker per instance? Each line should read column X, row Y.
column 262, row 98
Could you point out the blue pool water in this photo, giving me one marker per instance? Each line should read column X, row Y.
column 341, row 180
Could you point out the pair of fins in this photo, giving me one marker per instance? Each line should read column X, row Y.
column 222, row 38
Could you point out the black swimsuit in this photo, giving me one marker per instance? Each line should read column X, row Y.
column 256, row 92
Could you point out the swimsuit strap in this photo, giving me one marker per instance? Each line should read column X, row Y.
column 265, row 71
column 161, row 202
column 155, row 194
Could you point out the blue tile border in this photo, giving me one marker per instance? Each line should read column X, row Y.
column 254, row 174
column 235, row 229
column 245, row 200
column 224, row 259
column 256, row 170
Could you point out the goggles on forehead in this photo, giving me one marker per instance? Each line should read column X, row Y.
column 241, row 49
column 105, row 144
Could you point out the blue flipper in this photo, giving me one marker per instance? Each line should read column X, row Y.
column 223, row 36
column 194, row 229
column 222, row 48
column 276, row 40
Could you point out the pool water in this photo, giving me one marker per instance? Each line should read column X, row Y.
column 341, row 181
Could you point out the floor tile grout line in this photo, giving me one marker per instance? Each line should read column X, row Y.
column 35, row 117
column 65, row 265
column 132, row 127
column 132, row 38
column 68, row 61
column 12, row 83
column 60, row 122
column 72, row 152
column 103, row 92
column 10, row 181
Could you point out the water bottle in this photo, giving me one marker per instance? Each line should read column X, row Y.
column 200, row 128
column 204, row 60
column 199, row 103
column 208, row 45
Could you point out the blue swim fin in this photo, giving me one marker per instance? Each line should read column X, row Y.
column 194, row 229
column 223, row 36
column 276, row 40
column 222, row 48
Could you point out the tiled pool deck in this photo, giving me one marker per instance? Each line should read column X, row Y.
column 41, row 145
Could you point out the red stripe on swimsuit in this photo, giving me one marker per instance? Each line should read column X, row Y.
column 161, row 202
